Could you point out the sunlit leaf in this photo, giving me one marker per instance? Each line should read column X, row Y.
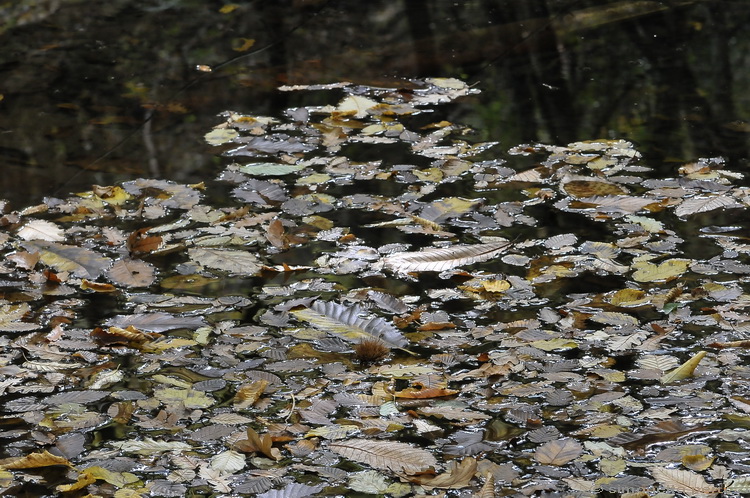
column 356, row 105
column 229, row 461
column 149, row 446
column 229, row 260
column 41, row 230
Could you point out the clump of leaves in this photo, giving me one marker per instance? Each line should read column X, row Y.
column 494, row 354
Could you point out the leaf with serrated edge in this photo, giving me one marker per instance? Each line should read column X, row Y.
column 386, row 455
column 685, row 370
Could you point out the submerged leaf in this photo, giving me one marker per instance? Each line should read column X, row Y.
column 444, row 258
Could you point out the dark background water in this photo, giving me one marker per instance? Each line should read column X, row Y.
column 95, row 92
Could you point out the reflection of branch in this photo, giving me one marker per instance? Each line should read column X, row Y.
column 153, row 161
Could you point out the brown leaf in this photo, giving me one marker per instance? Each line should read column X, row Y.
column 558, row 452
column 456, row 476
column 248, row 394
column 139, row 243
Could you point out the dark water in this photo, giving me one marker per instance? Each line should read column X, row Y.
column 100, row 92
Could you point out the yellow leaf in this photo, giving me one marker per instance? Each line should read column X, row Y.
column 230, row 7
column 84, row 480
column 242, row 44
column 496, row 285
column 685, row 370
column 158, row 347
column 628, row 297
column 118, row 479
column 650, row 272
column 34, row 460
column 552, row 344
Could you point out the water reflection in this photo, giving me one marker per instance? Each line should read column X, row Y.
column 81, row 79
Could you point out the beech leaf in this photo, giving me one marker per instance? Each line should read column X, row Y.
column 558, row 452
column 386, row 455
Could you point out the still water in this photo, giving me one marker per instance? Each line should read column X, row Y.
column 96, row 93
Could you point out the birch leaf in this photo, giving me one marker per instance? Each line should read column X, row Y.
column 386, row 455
column 558, row 452
column 684, row 481
column 685, row 370
column 444, row 258
column 345, row 322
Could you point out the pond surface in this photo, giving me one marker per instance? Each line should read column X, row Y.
column 95, row 93
column 409, row 249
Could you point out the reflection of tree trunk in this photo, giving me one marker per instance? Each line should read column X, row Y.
column 420, row 27
column 536, row 69
column 680, row 108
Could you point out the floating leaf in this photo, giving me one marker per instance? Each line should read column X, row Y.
column 149, row 446
column 35, row 460
column 229, row 461
column 558, row 452
column 356, row 105
column 703, row 204
column 345, row 322
column 131, row 273
column 456, row 476
column 684, row 481
column 649, row 272
column 11, row 316
column 229, row 260
column 41, row 230
column 386, row 455
column 270, row 169
column 685, row 370
column 80, row 262
column 156, row 322
column 442, row 259
column 220, row 136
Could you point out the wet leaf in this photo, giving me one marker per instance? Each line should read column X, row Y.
column 80, row 262
column 650, row 272
column 35, row 460
column 685, row 370
column 684, row 481
column 558, row 452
